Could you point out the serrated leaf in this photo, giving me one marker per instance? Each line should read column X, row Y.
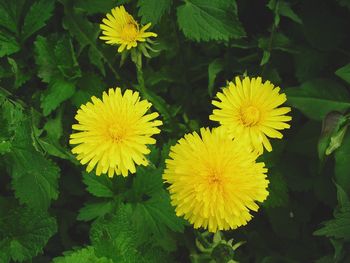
column 24, row 233
column 152, row 10
column 100, row 186
column 318, row 97
column 84, row 255
column 204, row 20
column 215, row 67
column 36, row 17
column 114, row 237
column 344, row 73
column 59, row 91
column 34, row 178
column 92, row 211
column 339, row 227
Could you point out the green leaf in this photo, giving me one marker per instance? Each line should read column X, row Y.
column 24, row 233
column 284, row 9
column 152, row 10
column 59, row 91
column 334, row 127
column 318, row 97
column 344, row 73
column 278, row 191
column 342, row 172
column 339, row 227
column 114, row 237
column 92, row 7
column 58, row 67
column 100, row 186
column 84, row 255
column 86, row 33
column 215, row 67
column 10, row 14
column 8, row 45
column 45, row 58
column 34, row 178
column 92, row 211
column 36, row 17
column 204, row 20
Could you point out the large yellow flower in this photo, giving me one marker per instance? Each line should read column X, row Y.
column 120, row 28
column 250, row 110
column 214, row 181
column 113, row 133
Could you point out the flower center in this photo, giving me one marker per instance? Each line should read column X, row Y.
column 116, row 133
column 250, row 115
column 129, row 32
column 214, row 177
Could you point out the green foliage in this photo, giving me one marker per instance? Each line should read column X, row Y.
column 152, row 10
column 318, row 97
column 339, row 226
column 209, row 20
column 24, row 233
column 52, row 61
column 84, row 255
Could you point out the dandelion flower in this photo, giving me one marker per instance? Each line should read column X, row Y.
column 113, row 133
column 214, row 181
column 250, row 110
column 120, row 28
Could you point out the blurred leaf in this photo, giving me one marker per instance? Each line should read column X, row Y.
column 100, row 186
column 283, row 8
column 334, row 127
column 92, row 7
column 318, row 97
column 215, row 67
column 204, row 20
column 36, row 17
column 152, row 10
column 10, row 14
column 92, row 211
column 339, row 227
column 333, row 26
column 24, row 233
column 309, row 63
column 278, row 191
column 342, row 172
column 344, row 73
column 8, row 45
column 83, row 255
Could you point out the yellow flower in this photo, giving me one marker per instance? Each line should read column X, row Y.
column 214, row 180
column 113, row 133
column 120, row 28
column 250, row 110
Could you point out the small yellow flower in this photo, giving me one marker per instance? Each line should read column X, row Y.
column 120, row 28
column 214, row 181
column 250, row 110
column 113, row 133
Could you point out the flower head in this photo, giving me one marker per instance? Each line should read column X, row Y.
column 250, row 110
column 113, row 133
column 120, row 28
column 214, row 180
